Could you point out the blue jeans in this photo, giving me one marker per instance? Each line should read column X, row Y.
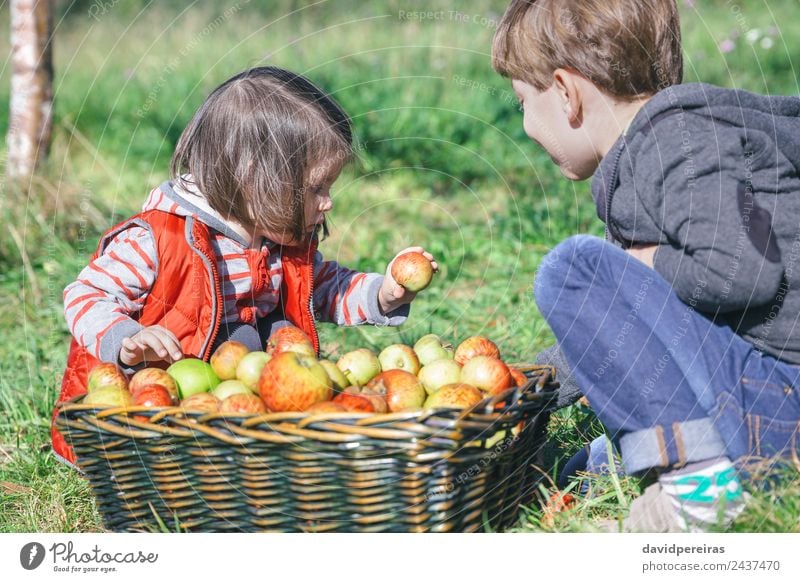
column 670, row 385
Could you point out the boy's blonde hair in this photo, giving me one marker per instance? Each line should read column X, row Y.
column 627, row 48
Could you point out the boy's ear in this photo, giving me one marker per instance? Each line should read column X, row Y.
column 569, row 94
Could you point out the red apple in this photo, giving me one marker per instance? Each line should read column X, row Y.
column 193, row 376
column 413, row 271
column 359, row 366
column 327, row 406
column 377, row 400
column 249, row 369
column 476, row 345
column 109, row 396
column 290, row 339
column 402, row 390
column 226, row 358
column 430, row 348
column 399, row 357
column 153, row 376
column 151, row 396
column 438, row 373
column 486, row 373
column 353, row 402
column 518, row 377
column 202, row 401
column 339, row 380
column 229, row 388
column 293, row 382
column 456, row 395
column 106, row 375
column 243, row 403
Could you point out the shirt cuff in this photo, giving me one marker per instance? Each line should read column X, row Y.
column 374, row 315
column 111, row 342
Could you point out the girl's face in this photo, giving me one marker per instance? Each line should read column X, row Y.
column 318, row 203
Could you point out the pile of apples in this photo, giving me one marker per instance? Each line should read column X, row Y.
column 288, row 376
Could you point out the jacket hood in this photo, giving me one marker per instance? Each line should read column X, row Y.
column 776, row 116
column 183, row 199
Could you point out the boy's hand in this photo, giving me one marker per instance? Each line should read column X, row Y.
column 152, row 344
column 644, row 253
column 392, row 295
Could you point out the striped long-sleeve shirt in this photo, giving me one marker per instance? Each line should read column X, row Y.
column 101, row 305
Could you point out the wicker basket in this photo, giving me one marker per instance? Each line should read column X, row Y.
column 423, row 471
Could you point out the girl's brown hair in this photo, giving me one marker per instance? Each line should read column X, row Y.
column 253, row 144
column 627, row 48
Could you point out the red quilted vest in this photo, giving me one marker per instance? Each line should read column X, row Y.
column 186, row 296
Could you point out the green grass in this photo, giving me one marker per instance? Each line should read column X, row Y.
column 441, row 164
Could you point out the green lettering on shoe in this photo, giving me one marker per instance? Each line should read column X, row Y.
column 725, row 478
column 701, row 484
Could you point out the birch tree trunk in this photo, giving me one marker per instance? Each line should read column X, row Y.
column 30, row 116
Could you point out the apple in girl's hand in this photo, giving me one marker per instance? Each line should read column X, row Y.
column 202, row 401
column 249, row 369
column 413, row 271
column 340, row 381
column 399, row 357
column 229, row 388
column 293, row 382
column 402, row 390
column 438, row 373
column 106, row 375
column 353, row 402
column 518, row 377
column 430, row 348
column 456, row 395
column 158, row 376
column 476, row 345
column 193, row 376
column 486, row 373
column 243, row 403
column 109, row 396
column 327, row 406
column 226, row 358
column 359, row 366
column 290, row 339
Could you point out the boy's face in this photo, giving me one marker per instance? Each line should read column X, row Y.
column 547, row 122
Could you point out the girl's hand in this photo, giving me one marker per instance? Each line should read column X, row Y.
column 152, row 344
column 392, row 295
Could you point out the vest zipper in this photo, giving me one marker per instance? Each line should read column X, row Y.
column 610, row 234
column 310, row 307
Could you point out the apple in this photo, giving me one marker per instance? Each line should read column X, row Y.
column 339, row 380
column 230, row 387
column 438, row 373
column 109, row 396
column 486, row 373
column 243, row 403
column 430, row 348
column 399, row 357
column 353, row 402
column 290, row 339
column 249, row 369
column 147, row 376
column 152, row 395
column 476, row 345
column 377, row 400
column 193, row 376
column 402, row 390
column 359, row 366
column 106, row 375
column 226, row 358
column 457, row 395
column 202, row 401
column 413, row 271
column 518, row 377
column 327, row 406
column 293, row 382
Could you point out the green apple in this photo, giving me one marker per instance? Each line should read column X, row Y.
column 110, row 396
column 249, row 369
column 193, row 376
column 230, row 387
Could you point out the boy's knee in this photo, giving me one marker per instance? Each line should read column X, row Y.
column 567, row 261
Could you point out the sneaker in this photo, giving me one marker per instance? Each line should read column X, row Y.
column 651, row 512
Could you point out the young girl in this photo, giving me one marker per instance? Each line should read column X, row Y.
column 228, row 248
